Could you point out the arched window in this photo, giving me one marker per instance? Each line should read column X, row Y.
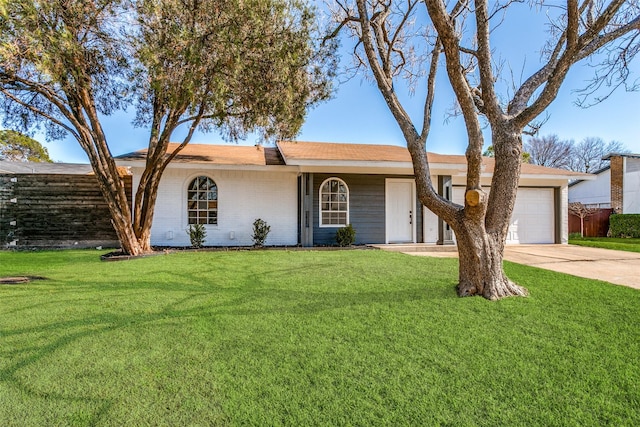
column 202, row 201
column 334, row 203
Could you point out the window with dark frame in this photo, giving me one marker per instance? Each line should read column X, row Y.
column 202, row 201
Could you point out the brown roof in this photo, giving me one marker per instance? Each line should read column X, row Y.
column 299, row 150
column 296, row 151
column 529, row 169
column 218, row 154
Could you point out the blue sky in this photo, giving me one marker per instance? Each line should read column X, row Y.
column 358, row 114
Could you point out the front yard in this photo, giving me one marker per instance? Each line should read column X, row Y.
column 308, row 338
column 619, row 244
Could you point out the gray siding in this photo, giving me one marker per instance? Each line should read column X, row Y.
column 366, row 208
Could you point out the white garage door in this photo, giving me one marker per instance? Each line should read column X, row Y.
column 533, row 219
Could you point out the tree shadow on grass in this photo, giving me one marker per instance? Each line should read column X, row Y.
column 253, row 295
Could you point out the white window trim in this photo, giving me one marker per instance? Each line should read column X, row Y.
column 187, row 184
column 320, row 224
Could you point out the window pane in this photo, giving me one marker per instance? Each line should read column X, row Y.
column 334, row 200
column 202, row 201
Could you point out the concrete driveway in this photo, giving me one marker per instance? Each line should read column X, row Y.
column 619, row 267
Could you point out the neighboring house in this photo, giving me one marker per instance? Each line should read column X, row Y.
column 616, row 186
column 306, row 190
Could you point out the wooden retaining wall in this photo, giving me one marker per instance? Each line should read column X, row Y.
column 54, row 211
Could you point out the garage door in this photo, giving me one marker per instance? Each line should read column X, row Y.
column 533, row 219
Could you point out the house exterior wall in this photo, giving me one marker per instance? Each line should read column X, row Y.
column 243, row 196
column 366, row 208
column 631, row 186
column 562, row 215
column 596, row 192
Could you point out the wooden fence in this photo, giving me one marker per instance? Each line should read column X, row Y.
column 596, row 225
column 55, row 211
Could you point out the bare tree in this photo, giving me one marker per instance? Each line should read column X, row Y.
column 587, row 154
column 237, row 66
column 394, row 49
column 550, row 151
column 582, row 212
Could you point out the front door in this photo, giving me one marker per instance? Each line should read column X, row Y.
column 400, row 211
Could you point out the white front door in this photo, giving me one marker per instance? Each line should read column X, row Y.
column 400, row 211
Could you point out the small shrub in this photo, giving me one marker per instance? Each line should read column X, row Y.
column 197, row 233
column 346, row 236
column 624, row 225
column 575, row 236
column 260, row 231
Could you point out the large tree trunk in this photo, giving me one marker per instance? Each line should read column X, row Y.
column 481, row 225
column 113, row 190
column 481, row 229
column 480, row 260
column 145, row 202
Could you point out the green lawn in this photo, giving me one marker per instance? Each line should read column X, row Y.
column 619, row 244
column 308, row 338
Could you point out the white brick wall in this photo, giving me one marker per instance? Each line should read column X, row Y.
column 243, row 196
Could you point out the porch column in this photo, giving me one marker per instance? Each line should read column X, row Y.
column 306, row 210
column 445, row 189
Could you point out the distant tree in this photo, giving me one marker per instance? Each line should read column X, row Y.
column 18, row 147
column 237, row 66
column 550, row 151
column 582, row 212
column 587, row 154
